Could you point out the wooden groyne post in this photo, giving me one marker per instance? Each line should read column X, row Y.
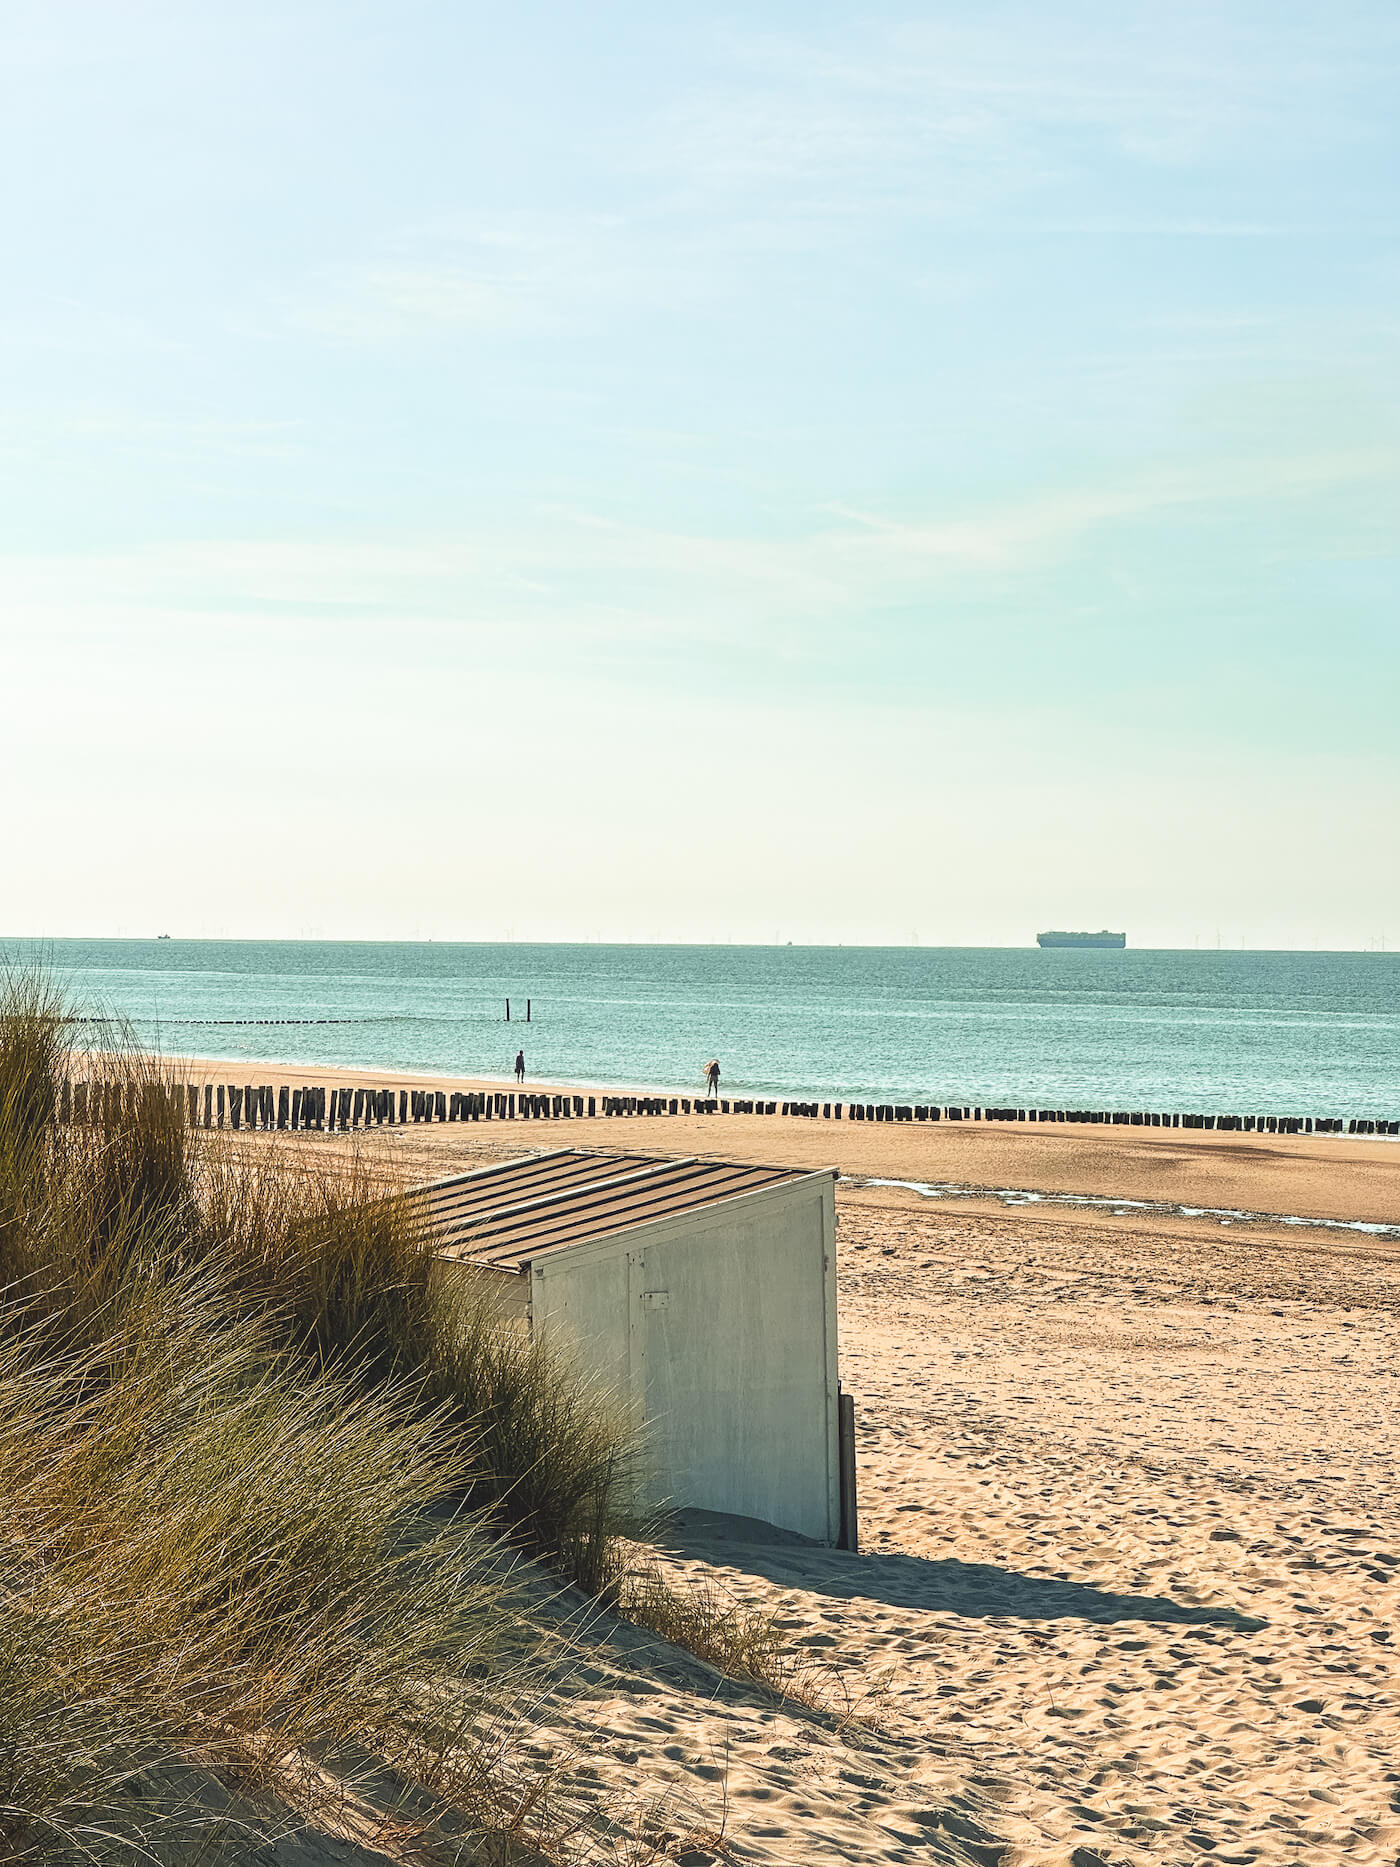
column 338, row 1110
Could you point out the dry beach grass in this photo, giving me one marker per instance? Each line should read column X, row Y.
column 267, row 1488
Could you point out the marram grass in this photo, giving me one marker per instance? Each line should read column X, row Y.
column 258, row 1468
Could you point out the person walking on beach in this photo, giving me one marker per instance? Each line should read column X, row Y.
column 520, row 1066
column 712, row 1077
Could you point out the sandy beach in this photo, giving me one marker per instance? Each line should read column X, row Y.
column 1127, row 1591
column 1130, row 1560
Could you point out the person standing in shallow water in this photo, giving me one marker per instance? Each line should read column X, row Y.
column 520, row 1066
column 712, row 1077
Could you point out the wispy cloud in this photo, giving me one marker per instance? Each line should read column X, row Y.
column 586, row 577
column 1073, row 121
column 525, row 275
column 966, row 111
column 1025, row 532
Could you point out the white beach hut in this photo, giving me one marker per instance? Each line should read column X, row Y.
column 703, row 1290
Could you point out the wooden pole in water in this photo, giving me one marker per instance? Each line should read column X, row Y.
column 507, row 1011
column 527, row 1011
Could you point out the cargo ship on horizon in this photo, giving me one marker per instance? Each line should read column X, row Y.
column 1102, row 938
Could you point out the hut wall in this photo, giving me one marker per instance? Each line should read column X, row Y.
column 720, row 1326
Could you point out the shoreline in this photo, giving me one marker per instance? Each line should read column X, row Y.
column 387, row 1077
column 1343, row 1179
column 1021, row 1199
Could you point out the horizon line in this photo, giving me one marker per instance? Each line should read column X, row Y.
column 751, row 946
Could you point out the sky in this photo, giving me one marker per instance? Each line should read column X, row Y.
column 800, row 473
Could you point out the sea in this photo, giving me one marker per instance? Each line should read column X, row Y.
column 1215, row 1032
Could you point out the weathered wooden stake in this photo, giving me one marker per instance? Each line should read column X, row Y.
column 849, row 1537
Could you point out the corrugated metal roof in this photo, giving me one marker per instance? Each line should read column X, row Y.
column 507, row 1216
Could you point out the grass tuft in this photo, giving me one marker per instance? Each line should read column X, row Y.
column 738, row 1641
column 748, row 1644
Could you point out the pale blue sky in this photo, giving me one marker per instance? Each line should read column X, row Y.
column 665, row 473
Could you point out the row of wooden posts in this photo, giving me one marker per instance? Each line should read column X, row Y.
column 317, row 1107
column 928, row 1112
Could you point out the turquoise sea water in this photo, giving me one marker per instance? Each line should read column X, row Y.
column 1217, row 1032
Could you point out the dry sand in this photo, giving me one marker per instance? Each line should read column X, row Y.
column 1131, row 1561
column 1128, row 1588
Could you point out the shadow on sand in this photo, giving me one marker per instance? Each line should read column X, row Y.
column 973, row 1590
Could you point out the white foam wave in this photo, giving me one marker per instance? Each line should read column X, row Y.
column 1024, row 1196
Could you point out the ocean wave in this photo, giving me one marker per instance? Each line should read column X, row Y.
column 1022, row 1196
